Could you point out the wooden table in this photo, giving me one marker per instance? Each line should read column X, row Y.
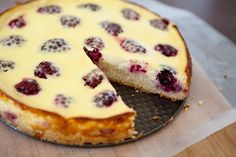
column 221, row 15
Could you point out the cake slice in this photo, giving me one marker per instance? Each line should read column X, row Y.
column 57, row 58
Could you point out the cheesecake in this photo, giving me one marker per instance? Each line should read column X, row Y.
column 57, row 59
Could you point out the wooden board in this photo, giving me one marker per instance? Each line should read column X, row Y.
column 221, row 143
column 188, row 128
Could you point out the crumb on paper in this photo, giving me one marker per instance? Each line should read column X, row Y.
column 156, row 117
column 200, row 102
column 137, row 91
column 225, row 76
column 186, row 107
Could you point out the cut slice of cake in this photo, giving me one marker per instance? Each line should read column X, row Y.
column 56, row 56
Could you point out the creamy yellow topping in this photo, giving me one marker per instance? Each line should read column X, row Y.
column 74, row 63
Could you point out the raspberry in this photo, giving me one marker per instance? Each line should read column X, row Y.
column 62, row 101
column 94, row 54
column 166, row 50
column 105, row 99
column 50, row 9
column 45, row 69
column 93, row 79
column 112, row 28
column 92, row 48
column 90, row 6
column 94, row 43
column 130, row 14
column 18, row 22
column 9, row 116
column 12, row 40
column 132, row 46
column 6, row 65
column 55, row 45
column 70, row 21
column 160, row 23
column 167, row 81
column 136, row 68
column 28, row 87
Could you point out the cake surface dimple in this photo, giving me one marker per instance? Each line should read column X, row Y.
column 57, row 57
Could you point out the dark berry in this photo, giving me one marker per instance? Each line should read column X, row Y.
column 168, row 81
column 90, row 6
column 55, row 45
column 45, row 69
column 130, row 14
column 166, row 50
column 9, row 116
column 6, row 65
column 112, row 28
column 28, row 87
column 137, row 68
column 62, row 101
column 12, row 40
column 18, row 22
column 50, row 9
column 166, row 78
column 160, row 23
column 94, row 43
column 70, row 21
column 94, row 54
column 132, row 46
column 105, row 99
column 94, row 78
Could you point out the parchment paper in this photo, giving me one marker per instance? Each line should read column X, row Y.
column 188, row 128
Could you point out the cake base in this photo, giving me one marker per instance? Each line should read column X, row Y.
column 73, row 131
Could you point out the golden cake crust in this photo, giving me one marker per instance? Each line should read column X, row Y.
column 52, row 127
column 188, row 68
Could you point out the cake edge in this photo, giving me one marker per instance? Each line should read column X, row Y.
column 188, row 68
column 54, row 128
